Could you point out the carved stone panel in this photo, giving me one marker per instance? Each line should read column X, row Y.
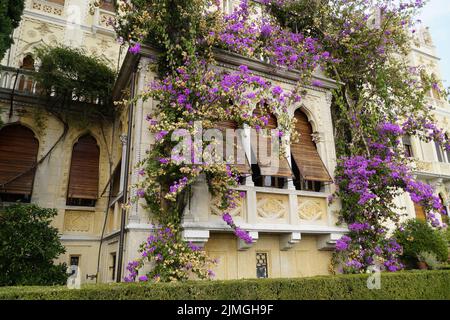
column 272, row 206
column 311, row 209
column 238, row 211
column 78, row 221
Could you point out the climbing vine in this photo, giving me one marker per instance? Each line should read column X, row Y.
column 362, row 44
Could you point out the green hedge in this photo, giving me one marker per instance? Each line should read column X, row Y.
column 402, row 285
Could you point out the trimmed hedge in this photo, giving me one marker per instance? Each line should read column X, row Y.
column 401, row 285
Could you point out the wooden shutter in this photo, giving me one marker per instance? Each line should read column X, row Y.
column 305, row 153
column 241, row 167
column 420, row 213
column 18, row 153
column 84, row 169
column 283, row 169
column 108, row 5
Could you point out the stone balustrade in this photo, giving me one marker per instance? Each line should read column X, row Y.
column 289, row 213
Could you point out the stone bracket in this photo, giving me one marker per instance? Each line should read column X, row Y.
column 196, row 236
column 328, row 241
column 242, row 245
column 287, row 241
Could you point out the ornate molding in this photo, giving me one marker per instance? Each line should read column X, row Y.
column 271, row 206
column 78, row 221
column 310, row 209
column 235, row 212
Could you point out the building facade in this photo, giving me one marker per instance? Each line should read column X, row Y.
column 81, row 170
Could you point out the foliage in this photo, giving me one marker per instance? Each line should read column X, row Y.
column 370, row 41
column 429, row 258
column 172, row 259
column 362, row 44
column 29, row 244
column 416, row 237
column 412, row 285
column 10, row 15
column 69, row 74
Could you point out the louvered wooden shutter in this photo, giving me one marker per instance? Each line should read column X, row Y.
column 241, row 167
column 18, row 154
column 305, row 152
column 283, row 169
column 84, row 169
column 420, row 213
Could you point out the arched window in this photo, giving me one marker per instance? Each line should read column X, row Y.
column 309, row 169
column 233, row 151
column 25, row 81
column 264, row 173
column 18, row 154
column 84, row 173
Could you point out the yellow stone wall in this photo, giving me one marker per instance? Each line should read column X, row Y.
column 303, row 260
column 80, row 227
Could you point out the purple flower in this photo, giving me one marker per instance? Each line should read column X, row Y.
column 135, row 48
column 140, row 193
column 160, row 135
column 228, row 219
column 277, row 90
column 143, row 278
column 317, row 83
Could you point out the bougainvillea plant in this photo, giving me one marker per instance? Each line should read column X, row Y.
column 172, row 258
column 363, row 44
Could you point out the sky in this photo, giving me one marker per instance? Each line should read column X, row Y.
column 436, row 15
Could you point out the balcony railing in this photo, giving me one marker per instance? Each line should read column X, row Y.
column 18, row 80
column 287, row 212
column 19, row 86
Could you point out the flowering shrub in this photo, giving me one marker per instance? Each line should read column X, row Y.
column 361, row 50
column 172, row 259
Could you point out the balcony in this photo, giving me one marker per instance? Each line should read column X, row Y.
column 18, row 87
column 287, row 212
column 55, row 7
column 103, row 21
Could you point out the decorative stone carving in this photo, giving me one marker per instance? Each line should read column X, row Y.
column 272, row 206
column 48, row 7
column 310, row 209
column 107, row 20
column 235, row 212
column 78, row 221
column 316, row 137
column 43, row 29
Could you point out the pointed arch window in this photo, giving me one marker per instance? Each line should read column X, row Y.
column 84, row 173
column 264, row 172
column 25, row 80
column 18, row 157
column 233, row 152
column 309, row 169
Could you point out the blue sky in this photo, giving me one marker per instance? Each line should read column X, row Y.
column 436, row 15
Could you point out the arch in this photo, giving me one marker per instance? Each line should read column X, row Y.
column 309, row 115
column 28, row 62
column 84, row 172
column 18, row 157
column 307, row 163
column 265, row 173
column 25, row 81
